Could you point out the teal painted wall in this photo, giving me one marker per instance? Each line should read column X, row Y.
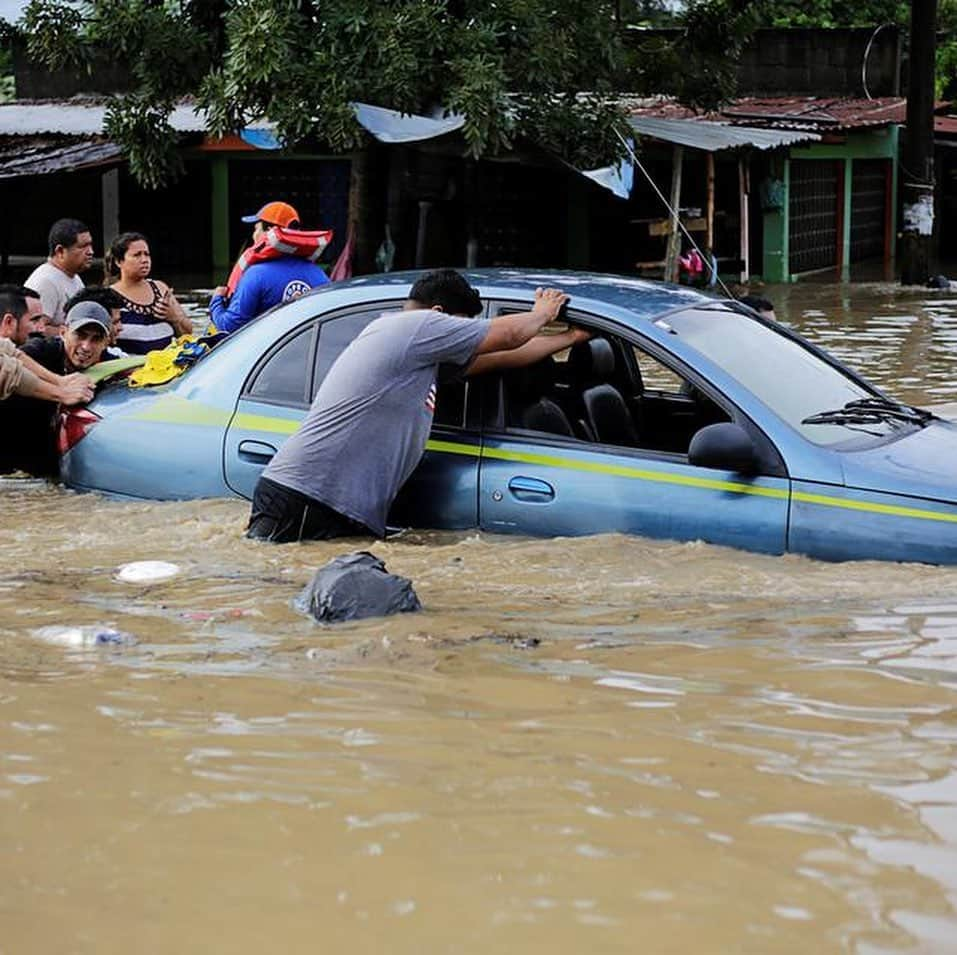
column 865, row 144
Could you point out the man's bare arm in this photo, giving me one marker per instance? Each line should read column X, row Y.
column 68, row 390
column 508, row 332
column 75, row 389
column 538, row 348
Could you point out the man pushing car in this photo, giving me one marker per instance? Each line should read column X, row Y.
column 366, row 431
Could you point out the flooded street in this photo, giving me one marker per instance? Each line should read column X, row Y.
column 605, row 744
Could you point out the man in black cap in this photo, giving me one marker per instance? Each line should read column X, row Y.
column 32, row 422
column 21, row 316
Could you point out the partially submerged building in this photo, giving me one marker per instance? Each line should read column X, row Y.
column 794, row 179
column 775, row 186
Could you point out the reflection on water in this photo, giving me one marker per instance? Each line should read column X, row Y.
column 902, row 340
column 602, row 744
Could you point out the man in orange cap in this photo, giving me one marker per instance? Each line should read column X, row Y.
column 268, row 283
column 273, row 213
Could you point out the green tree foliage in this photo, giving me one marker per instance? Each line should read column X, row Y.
column 549, row 67
column 836, row 13
column 698, row 63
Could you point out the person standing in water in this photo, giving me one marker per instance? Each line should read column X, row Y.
column 151, row 316
column 71, row 252
column 338, row 475
column 269, row 281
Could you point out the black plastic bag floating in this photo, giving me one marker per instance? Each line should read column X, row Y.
column 354, row 586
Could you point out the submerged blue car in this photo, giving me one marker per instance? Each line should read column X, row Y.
column 684, row 417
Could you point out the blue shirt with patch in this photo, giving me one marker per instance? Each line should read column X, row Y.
column 262, row 286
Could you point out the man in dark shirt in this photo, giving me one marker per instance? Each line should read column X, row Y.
column 29, row 424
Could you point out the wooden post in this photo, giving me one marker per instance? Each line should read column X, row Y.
column 471, row 213
column 674, row 237
column 889, row 220
column 421, row 237
column 219, row 199
column 110, row 196
column 711, row 258
column 744, row 213
column 844, row 239
column 840, row 227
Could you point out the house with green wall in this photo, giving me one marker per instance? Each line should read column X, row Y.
column 779, row 187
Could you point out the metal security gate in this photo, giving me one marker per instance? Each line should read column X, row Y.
column 814, row 214
column 869, row 190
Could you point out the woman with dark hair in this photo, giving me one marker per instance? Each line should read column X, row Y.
column 151, row 316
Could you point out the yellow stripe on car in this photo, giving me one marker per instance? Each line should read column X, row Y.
column 172, row 409
column 665, row 477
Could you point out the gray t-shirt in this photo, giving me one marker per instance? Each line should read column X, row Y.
column 367, row 427
column 54, row 287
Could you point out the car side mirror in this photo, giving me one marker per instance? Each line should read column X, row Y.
column 725, row 446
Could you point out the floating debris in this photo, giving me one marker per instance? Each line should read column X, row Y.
column 85, row 636
column 146, row 571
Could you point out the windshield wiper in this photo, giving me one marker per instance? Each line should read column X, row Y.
column 869, row 411
column 904, row 412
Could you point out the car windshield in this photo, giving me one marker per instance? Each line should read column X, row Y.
column 789, row 378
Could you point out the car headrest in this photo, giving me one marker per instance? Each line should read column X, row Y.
column 592, row 361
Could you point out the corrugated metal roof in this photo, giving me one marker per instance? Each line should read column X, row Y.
column 73, row 118
column 798, row 113
column 816, row 112
column 37, row 158
column 713, row 137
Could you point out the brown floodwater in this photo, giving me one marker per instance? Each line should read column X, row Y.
column 605, row 744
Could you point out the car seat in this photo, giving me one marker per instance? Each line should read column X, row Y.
column 530, row 404
column 605, row 413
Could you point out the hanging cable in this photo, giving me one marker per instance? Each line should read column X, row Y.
column 675, row 218
column 867, row 53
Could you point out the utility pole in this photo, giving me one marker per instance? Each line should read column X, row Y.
column 918, row 166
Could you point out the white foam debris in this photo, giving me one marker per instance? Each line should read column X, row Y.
column 146, row 571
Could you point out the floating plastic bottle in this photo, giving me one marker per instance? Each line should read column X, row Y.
column 85, row 636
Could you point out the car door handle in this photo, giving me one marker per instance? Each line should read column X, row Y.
column 257, row 452
column 531, row 489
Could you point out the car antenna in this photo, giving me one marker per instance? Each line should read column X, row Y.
column 674, row 215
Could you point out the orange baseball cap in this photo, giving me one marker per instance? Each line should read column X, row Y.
column 275, row 213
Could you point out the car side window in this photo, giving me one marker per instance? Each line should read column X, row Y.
column 655, row 376
column 337, row 333
column 283, row 378
column 597, row 392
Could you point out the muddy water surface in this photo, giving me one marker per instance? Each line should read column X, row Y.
column 605, row 744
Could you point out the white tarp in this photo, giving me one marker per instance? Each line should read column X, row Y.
column 390, row 126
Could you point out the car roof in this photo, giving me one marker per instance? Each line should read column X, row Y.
column 643, row 298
